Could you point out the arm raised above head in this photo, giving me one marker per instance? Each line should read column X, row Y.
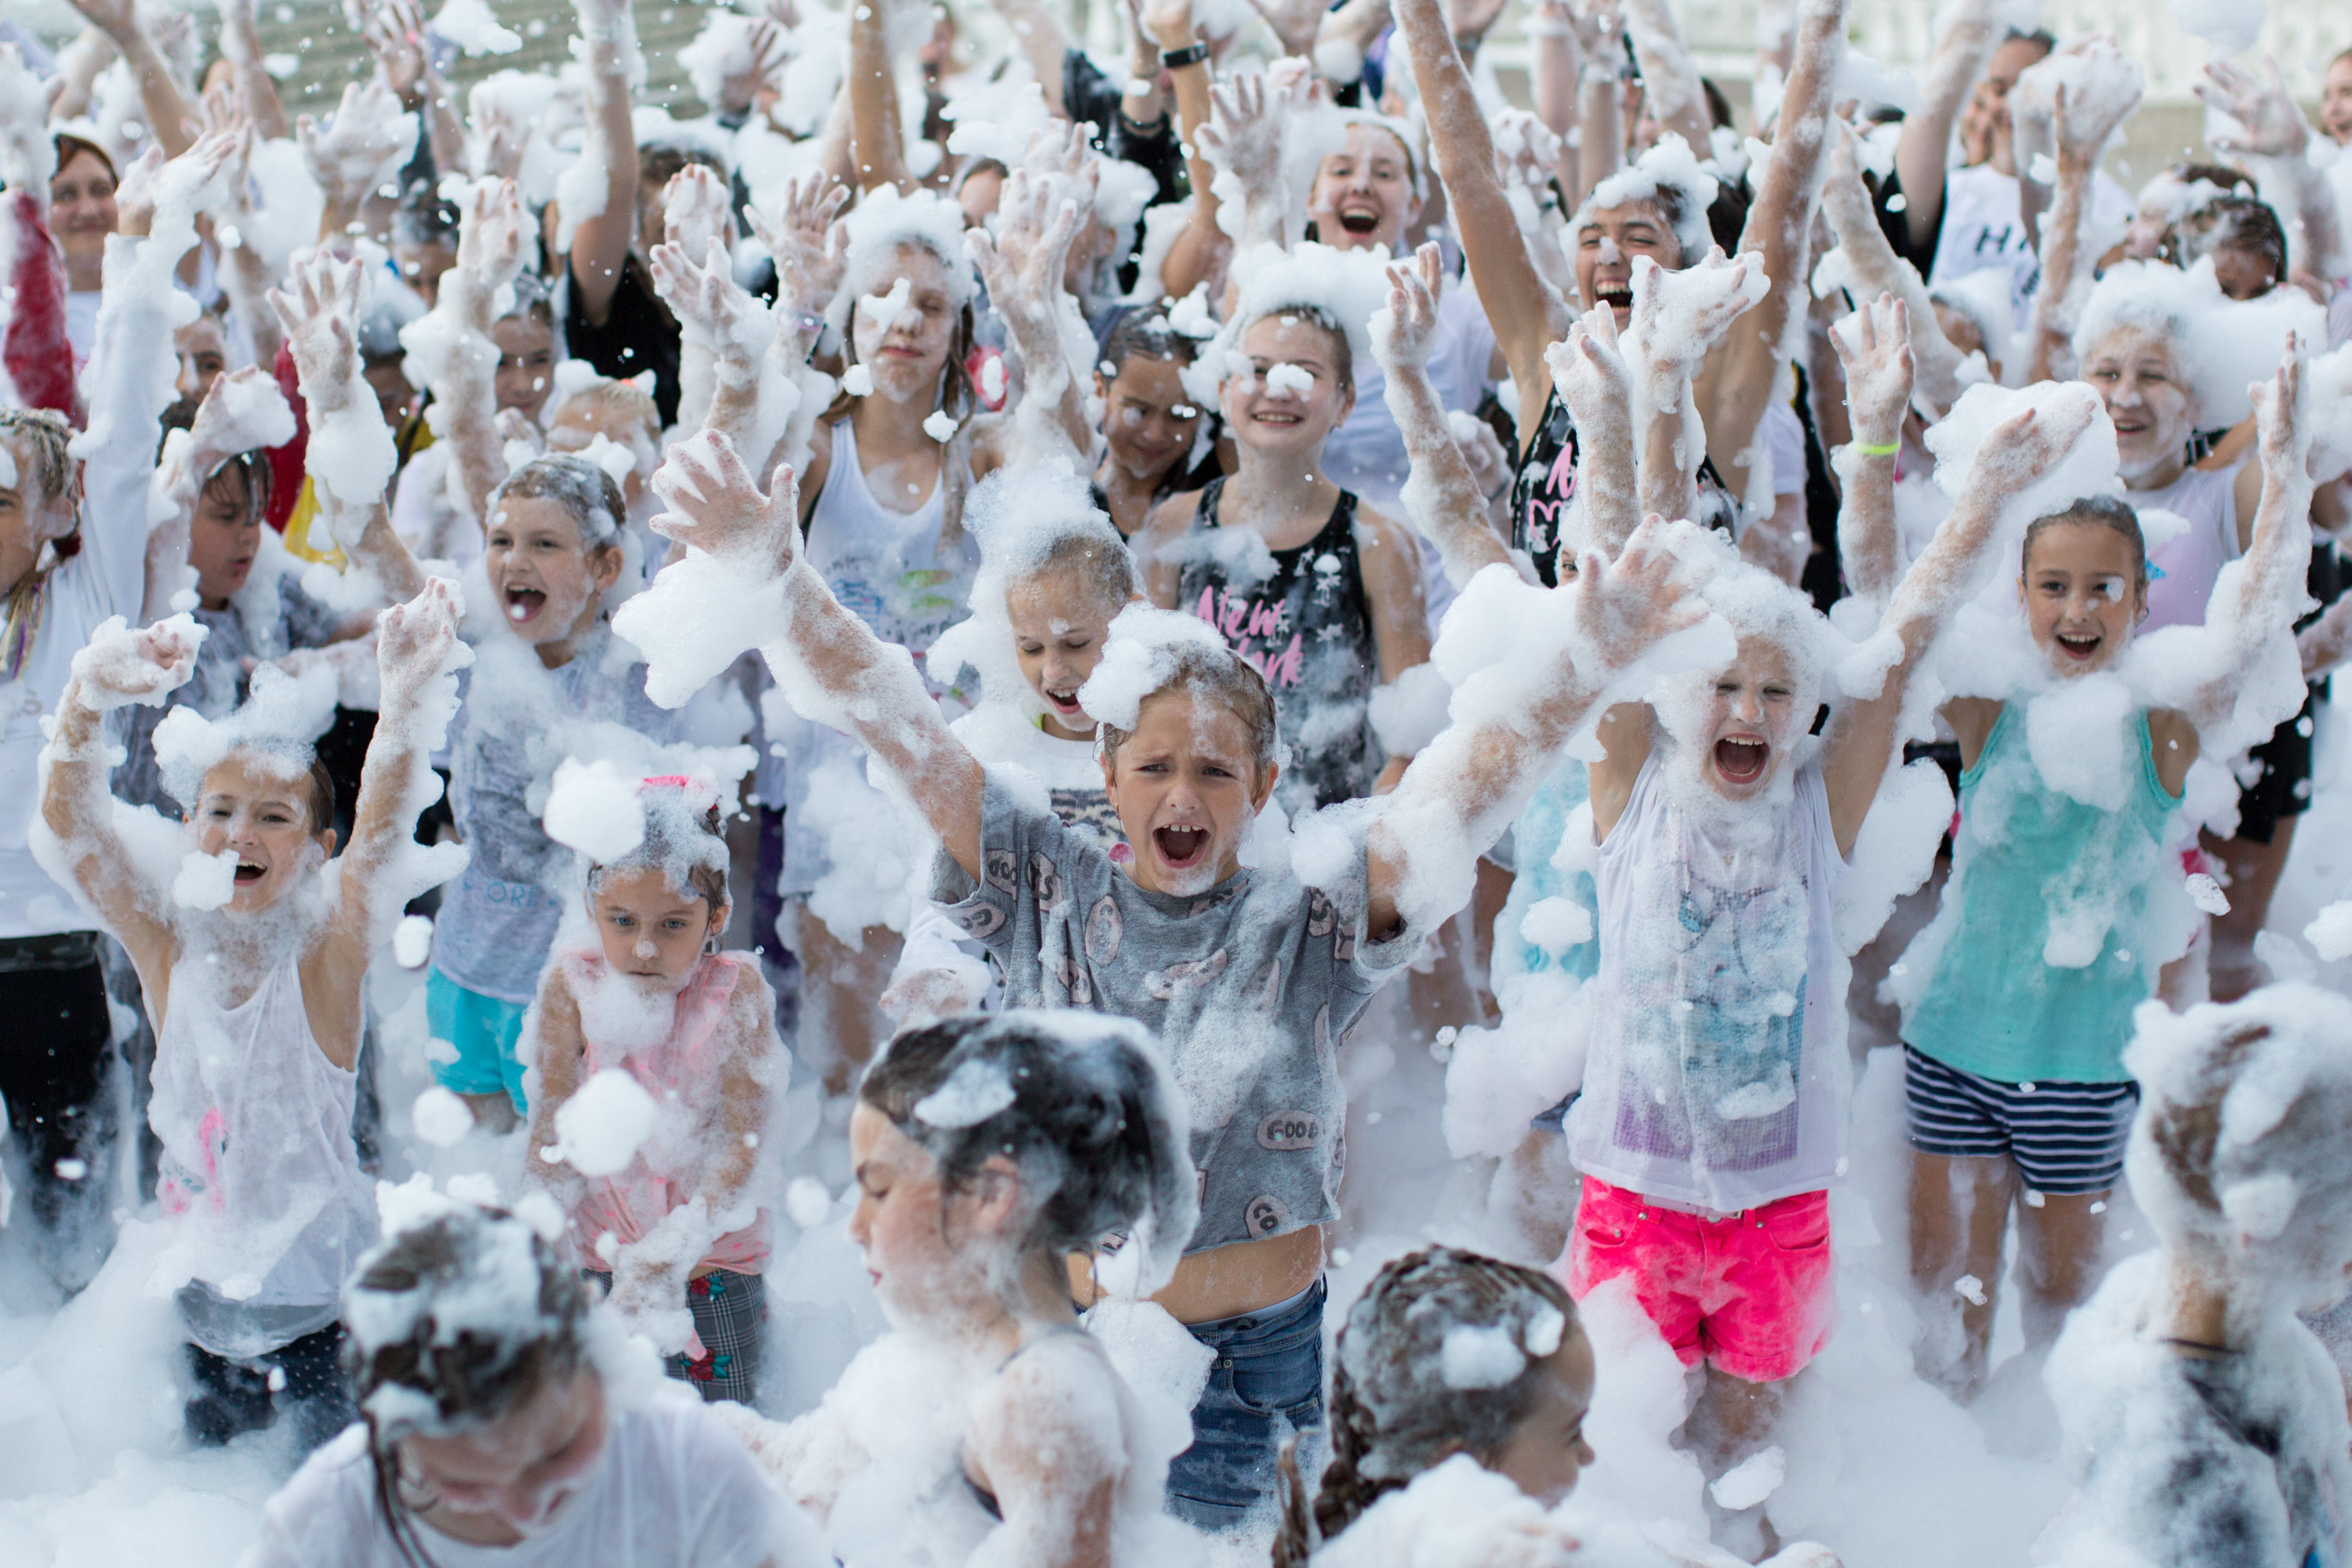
column 743, row 582
column 1441, row 498
column 1874, row 347
column 1510, row 724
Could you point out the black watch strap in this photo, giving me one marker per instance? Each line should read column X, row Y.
column 1191, row 55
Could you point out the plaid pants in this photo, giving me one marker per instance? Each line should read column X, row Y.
column 730, row 1318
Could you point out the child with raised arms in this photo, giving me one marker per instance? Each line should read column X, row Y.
column 990, row 1426
column 678, row 1233
column 1256, row 975
column 2018, row 997
column 252, row 940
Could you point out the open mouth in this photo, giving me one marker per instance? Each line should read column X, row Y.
column 1065, row 703
column 1618, row 296
column 1740, row 762
column 522, row 604
column 247, row 873
column 1362, row 221
column 2078, row 646
column 1181, row 847
column 1275, row 417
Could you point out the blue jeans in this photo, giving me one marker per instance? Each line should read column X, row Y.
column 1266, row 1383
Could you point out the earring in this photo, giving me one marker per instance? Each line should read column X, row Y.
column 710, row 944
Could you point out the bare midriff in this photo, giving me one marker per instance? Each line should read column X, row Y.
column 1228, row 1281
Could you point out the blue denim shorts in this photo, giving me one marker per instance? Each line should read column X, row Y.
column 485, row 1030
column 1265, row 1383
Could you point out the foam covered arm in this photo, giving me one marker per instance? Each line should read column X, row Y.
column 1876, row 270
column 1878, row 359
column 601, row 239
column 2269, row 591
column 1919, row 154
column 1440, row 498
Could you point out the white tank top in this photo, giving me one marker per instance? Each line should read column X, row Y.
column 1716, row 1072
column 886, row 566
column 259, row 1170
column 2208, row 501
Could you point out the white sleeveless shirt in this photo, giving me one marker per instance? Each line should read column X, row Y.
column 1716, row 1075
column 888, row 567
column 2208, row 501
column 259, row 1170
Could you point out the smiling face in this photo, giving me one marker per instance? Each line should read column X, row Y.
column 1059, row 622
column 544, row 579
column 1547, row 1451
column 1606, row 244
column 907, row 350
column 1364, row 193
column 1751, row 719
column 526, row 360
column 223, row 536
column 511, row 1477
column 1985, row 125
column 919, row 1236
column 2136, row 372
column 1286, row 419
column 648, row 928
column 2083, row 594
column 1146, row 435
column 2336, row 100
column 1186, row 785
column 81, row 214
column 264, row 817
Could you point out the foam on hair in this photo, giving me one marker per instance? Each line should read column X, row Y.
column 1670, row 175
column 579, row 486
column 686, row 838
column 883, row 220
column 1150, row 651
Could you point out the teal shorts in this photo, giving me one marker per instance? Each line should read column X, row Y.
column 484, row 1029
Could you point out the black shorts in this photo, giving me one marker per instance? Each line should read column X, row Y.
column 2065, row 1139
column 2283, row 787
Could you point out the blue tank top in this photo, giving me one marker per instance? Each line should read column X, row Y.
column 2015, row 988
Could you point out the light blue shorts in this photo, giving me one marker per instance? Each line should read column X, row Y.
column 484, row 1029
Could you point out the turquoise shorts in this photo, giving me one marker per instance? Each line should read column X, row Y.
column 484, row 1029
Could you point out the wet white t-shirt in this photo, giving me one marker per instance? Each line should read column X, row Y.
column 1985, row 227
column 674, row 1490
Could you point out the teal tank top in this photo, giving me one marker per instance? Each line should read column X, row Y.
column 2040, row 951
column 1535, row 840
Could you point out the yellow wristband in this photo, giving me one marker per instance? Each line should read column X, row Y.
column 1886, row 451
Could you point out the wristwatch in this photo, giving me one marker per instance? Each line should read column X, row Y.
column 1191, row 55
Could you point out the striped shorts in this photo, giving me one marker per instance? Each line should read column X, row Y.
column 2065, row 1139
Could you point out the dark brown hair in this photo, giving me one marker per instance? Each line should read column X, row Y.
column 2111, row 512
column 2232, row 222
column 1221, row 676
column 70, row 147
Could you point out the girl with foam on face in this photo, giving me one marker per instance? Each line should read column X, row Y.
column 505, row 1418
column 990, row 1426
column 1319, row 594
column 251, row 951
column 1255, row 974
column 2060, row 910
column 678, row 1233
column 2204, row 1421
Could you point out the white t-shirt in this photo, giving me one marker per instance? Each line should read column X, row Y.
column 674, row 1490
column 1984, row 227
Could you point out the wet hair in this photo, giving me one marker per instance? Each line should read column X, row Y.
column 531, row 297
column 980, row 166
column 1082, row 1106
column 38, row 438
column 1223, row 677
column 1092, row 553
column 70, row 147
column 452, row 1324
column 1394, row 1410
column 659, row 163
column 2232, row 222
column 251, row 468
column 684, row 832
column 2112, row 512
column 424, row 218
column 1144, row 334
column 1343, row 352
column 2041, row 35
column 582, row 488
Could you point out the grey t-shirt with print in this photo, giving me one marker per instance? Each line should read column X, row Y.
column 1248, row 987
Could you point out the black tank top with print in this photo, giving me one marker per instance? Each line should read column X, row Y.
column 1306, row 627
column 1546, row 483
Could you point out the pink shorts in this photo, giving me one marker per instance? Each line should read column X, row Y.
column 1751, row 1293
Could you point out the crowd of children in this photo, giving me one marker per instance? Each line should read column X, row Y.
column 950, row 626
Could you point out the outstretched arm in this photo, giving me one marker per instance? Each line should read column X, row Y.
column 1199, row 251
column 1743, row 373
column 2081, row 124
column 1670, row 78
column 811, row 245
column 350, row 454
column 1244, row 136
column 601, row 239
column 119, row 666
column 1919, row 154
column 875, row 149
column 1873, row 344
column 1441, row 498
column 696, row 219
column 257, row 89
column 1876, row 270
column 453, row 347
column 2271, row 128
column 1597, row 390
column 159, row 87
column 1678, row 317
column 1527, row 317
column 1023, row 267
column 371, row 139
column 828, row 664
column 1862, row 734
column 418, row 656
column 1471, row 782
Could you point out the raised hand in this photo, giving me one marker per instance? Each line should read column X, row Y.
column 119, row 666
column 715, row 506
column 1625, row 609
column 318, row 306
column 1022, row 261
column 696, row 210
column 242, row 410
column 1401, row 333
column 1875, row 346
column 2022, row 451
column 708, row 302
column 2281, row 423
column 1526, row 155
column 1244, row 132
column 494, row 233
column 752, row 64
column 1169, row 22
column 1678, row 316
column 1589, row 371
column 395, row 33
column 370, row 138
column 808, row 240
column 1294, row 22
column 2271, row 125
column 414, row 641
column 1599, row 30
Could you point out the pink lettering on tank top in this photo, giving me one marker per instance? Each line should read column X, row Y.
column 1250, row 627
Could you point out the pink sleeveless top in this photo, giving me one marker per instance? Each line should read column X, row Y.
column 684, row 1067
